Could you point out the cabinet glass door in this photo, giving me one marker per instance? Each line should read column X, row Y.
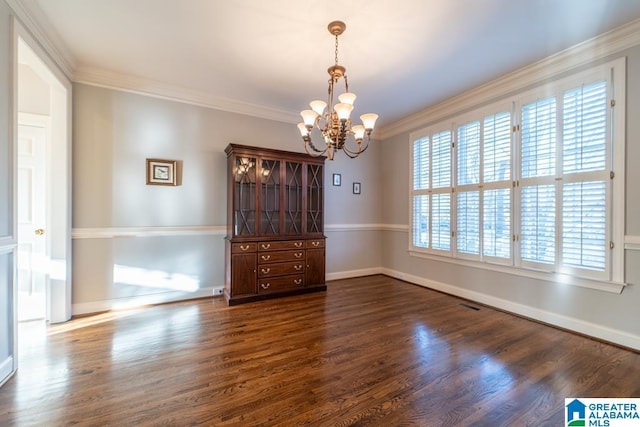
column 293, row 199
column 314, row 199
column 270, row 193
column 244, row 205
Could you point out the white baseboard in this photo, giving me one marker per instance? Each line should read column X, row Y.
column 587, row 328
column 139, row 301
column 353, row 273
column 6, row 369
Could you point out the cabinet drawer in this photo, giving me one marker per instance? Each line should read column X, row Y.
column 281, row 256
column 319, row 243
column 281, row 246
column 280, row 283
column 238, row 248
column 270, row 270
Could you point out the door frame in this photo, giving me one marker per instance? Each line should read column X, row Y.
column 59, row 156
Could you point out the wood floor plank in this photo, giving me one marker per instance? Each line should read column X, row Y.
column 369, row 351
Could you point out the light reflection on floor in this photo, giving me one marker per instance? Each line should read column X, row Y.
column 125, row 344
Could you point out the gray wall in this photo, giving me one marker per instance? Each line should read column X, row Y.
column 114, row 132
column 7, row 239
column 611, row 314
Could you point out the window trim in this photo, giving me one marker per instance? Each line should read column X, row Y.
column 616, row 81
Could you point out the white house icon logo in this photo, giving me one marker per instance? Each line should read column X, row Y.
column 576, row 413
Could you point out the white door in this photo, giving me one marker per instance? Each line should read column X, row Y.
column 32, row 249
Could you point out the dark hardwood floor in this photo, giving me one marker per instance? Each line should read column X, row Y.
column 369, row 351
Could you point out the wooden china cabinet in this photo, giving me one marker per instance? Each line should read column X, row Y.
column 275, row 243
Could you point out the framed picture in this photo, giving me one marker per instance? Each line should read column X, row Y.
column 337, row 179
column 356, row 188
column 161, row 172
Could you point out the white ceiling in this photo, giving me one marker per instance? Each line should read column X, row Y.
column 250, row 55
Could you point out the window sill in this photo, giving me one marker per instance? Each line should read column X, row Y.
column 565, row 279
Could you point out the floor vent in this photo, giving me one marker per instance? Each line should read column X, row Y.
column 471, row 307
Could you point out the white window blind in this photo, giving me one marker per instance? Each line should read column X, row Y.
column 538, row 196
column 421, row 164
column 441, row 193
column 528, row 183
column 497, row 147
column 469, row 154
column 421, row 221
column 584, row 197
column 468, row 196
column 539, row 138
column 441, row 223
column 441, row 159
column 584, row 128
column 538, row 224
column 468, row 222
column 497, row 223
column 431, row 211
column 583, row 225
column 421, row 172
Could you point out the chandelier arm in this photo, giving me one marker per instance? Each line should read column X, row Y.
column 350, row 153
column 317, row 153
column 309, row 144
column 360, row 148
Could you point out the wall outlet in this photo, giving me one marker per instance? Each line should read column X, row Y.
column 218, row 291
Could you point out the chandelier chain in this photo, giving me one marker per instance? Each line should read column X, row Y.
column 336, row 49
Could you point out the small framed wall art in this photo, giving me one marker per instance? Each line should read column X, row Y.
column 337, row 179
column 162, row 172
column 356, row 188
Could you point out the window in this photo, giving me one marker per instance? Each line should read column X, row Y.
column 526, row 182
column 432, row 192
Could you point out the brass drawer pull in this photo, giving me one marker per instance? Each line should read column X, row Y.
column 267, row 246
column 243, row 247
column 265, row 285
column 266, row 257
column 298, row 254
column 316, row 244
column 297, row 281
column 298, row 244
column 265, row 270
column 298, row 267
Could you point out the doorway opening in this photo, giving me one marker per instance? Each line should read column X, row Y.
column 42, row 177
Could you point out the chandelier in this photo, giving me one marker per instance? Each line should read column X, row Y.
column 333, row 120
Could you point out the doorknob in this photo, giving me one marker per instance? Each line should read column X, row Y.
column 39, row 231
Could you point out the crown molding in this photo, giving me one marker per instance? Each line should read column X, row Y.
column 31, row 17
column 591, row 50
column 156, row 89
column 599, row 47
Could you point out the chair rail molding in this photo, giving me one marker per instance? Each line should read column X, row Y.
column 365, row 227
column 632, row 242
column 113, row 232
